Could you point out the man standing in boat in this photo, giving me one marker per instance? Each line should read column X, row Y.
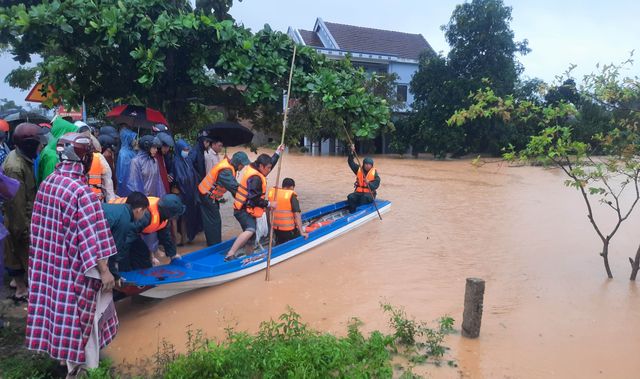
column 287, row 221
column 367, row 181
column 250, row 202
column 220, row 179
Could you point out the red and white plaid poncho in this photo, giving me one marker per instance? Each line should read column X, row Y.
column 69, row 234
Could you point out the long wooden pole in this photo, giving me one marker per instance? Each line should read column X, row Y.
column 346, row 133
column 284, row 130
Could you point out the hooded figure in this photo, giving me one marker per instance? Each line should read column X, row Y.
column 185, row 181
column 144, row 175
column 123, row 163
column 71, row 313
column 196, row 156
column 163, row 157
column 48, row 156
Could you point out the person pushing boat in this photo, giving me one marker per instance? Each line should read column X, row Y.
column 161, row 210
column 126, row 220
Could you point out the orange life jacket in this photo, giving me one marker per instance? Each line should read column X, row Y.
column 95, row 176
column 209, row 185
column 155, row 223
column 360, row 185
column 242, row 193
column 319, row 224
column 283, row 217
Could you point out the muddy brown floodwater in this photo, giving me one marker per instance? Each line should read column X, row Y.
column 549, row 310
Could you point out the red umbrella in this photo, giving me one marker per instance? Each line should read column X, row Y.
column 136, row 116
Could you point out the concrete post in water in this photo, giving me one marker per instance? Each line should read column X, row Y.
column 473, row 303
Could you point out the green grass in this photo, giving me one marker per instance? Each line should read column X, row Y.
column 282, row 348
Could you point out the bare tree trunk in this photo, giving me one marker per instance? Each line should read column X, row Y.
column 635, row 265
column 605, row 256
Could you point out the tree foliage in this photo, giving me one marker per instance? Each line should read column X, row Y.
column 602, row 180
column 482, row 45
column 167, row 55
column 483, row 51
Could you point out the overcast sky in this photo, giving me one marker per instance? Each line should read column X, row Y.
column 560, row 32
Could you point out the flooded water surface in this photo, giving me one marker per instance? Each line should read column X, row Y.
column 549, row 310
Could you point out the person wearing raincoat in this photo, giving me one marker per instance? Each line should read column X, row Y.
column 144, row 175
column 163, row 157
column 185, row 182
column 123, row 163
column 196, row 155
column 48, row 158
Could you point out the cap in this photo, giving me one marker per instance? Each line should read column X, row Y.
column 149, row 141
column 157, row 128
column 240, row 158
column 166, row 139
column 368, row 160
column 172, row 205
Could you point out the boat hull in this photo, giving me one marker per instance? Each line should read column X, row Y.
column 208, row 269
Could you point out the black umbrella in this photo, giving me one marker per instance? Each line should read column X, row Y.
column 229, row 133
column 15, row 117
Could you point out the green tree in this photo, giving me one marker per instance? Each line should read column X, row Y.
column 169, row 56
column 6, row 105
column 612, row 180
column 483, row 51
column 482, row 45
column 437, row 90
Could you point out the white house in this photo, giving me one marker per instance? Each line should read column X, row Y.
column 375, row 50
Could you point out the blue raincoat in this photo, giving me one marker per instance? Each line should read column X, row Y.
column 123, row 163
column 186, row 181
column 144, row 175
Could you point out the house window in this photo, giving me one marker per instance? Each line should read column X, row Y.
column 401, row 92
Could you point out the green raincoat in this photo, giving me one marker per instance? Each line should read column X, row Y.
column 48, row 155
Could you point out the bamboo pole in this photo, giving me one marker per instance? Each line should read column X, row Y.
column 284, row 130
column 359, row 164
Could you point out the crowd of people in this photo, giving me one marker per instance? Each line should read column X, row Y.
column 83, row 204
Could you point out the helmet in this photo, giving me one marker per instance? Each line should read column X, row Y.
column 4, row 126
column 240, row 158
column 148, row 141
column 166, row 139
column 107, row 141
column 76, row 147
column 28, row 137
column 83, row 127
column 158, row 128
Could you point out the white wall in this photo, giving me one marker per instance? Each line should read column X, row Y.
column 405, row 71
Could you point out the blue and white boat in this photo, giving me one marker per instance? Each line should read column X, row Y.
column 206, row 267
